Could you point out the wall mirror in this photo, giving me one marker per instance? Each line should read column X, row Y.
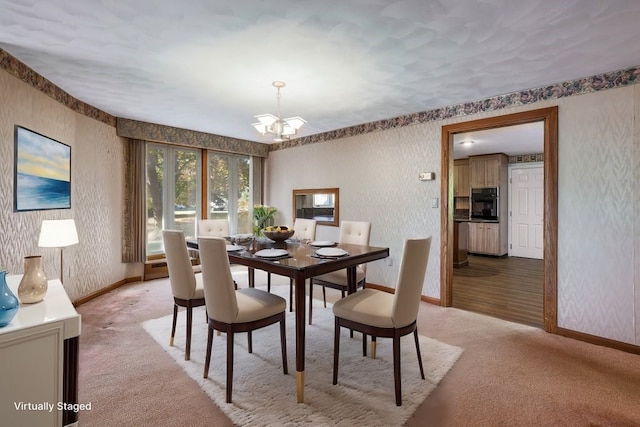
column 321, row 204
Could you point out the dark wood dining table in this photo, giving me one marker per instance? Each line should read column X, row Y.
column 302, row 263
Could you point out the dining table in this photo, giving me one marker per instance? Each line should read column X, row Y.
column 300, row 261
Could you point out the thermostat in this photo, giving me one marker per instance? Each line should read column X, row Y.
column 427, row 176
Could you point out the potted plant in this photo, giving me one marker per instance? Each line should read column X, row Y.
column 262, row 218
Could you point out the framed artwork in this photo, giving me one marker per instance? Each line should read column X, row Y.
column 42, row 172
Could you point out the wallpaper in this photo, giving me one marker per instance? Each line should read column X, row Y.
column 597, row 188
column 378, row 179
column 96, row 191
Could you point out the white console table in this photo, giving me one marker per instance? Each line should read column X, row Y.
column 39, row 361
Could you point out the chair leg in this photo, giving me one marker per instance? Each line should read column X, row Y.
column 415, row 335
column 250, row 342
column 187, row 350
column 268, row 282
column 229, row 364
column 324, row 295
column 207, row 358
column 173, row 327
column 336, row 350
column 283, row 344
column 373, row 347
column 396, row 368
column 364, row 345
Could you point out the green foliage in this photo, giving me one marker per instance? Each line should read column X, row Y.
column 263, row 216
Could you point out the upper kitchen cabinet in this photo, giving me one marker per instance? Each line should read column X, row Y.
column 461, row 178
column 488, row 171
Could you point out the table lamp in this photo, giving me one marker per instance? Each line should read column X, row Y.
column 58, row 233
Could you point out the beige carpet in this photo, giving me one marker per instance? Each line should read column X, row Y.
column 264, row 396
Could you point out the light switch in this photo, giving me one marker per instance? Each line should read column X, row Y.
column 435, row 202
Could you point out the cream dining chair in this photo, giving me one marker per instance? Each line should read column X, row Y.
column 233, row 311
column 303, row 229
column 351, row 232
column 213, row 227
column 381, row 314
column 186, row 285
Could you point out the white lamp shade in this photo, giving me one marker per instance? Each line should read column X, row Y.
column 58, row 233
column 260, row 127
column 295, row 122
column 266, row 119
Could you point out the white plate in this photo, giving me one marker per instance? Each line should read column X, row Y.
column 322, row 243
column 234, row 248
column 331, row 252
column 272, row 253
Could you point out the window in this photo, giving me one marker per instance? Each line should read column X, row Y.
column 174, row 189
column 173, row 192
column 230, row 190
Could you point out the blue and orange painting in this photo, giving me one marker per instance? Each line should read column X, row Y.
column 43, row 172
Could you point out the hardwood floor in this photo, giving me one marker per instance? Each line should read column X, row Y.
column 509, row 288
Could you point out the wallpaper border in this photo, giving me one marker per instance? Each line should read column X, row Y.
column 596, row 83
column 135, row 129
column 16, row 68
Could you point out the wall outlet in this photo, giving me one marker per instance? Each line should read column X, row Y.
column 389, row 261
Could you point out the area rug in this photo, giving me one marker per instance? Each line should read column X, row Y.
column 264, row 396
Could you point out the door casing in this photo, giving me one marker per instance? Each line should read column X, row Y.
column 550, row 286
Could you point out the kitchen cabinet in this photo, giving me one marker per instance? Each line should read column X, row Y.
column 487, row 238
column 39, row 354
column 488, row 171
column 460, row 243
column 461, row 184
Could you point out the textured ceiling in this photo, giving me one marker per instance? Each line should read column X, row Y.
column 208, row 65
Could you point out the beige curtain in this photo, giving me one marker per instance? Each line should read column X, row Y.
column 134, row 229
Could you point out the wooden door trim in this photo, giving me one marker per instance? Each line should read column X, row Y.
column 550, row 286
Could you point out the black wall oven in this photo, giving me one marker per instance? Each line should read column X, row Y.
column 484, row 204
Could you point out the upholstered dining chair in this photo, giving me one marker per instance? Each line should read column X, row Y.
column 381, row 314
column 351, row 232
column 303, row 229
column 213, row 227
column 186, row 285
column 232, row 311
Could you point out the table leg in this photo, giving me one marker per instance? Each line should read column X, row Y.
column 351, row 279
column 252, row 277
column 299, row 283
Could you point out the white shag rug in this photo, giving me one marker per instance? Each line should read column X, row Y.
column 264, row 396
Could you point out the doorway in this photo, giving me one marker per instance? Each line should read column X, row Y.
column 549, row 116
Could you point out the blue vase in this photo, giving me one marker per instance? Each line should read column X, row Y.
column 8, row 302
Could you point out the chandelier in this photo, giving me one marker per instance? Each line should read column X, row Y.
column 282, row 129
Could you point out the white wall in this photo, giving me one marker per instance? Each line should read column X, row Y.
column 598, row 269
column 96, row 191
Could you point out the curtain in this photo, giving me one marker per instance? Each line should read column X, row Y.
column 134, row 227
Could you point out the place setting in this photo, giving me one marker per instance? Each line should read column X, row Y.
column 330, row 253
column 272, row 253
column 322, row 243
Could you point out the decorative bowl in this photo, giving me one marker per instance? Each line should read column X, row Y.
column 278, row 236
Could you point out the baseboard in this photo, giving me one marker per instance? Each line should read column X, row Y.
column 430, row 300
column 103, row 291
column 592, row 339
column 580, row 336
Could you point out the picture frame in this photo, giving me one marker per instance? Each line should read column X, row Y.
column 42, row 172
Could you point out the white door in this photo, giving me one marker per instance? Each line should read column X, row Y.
column 527, row 212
